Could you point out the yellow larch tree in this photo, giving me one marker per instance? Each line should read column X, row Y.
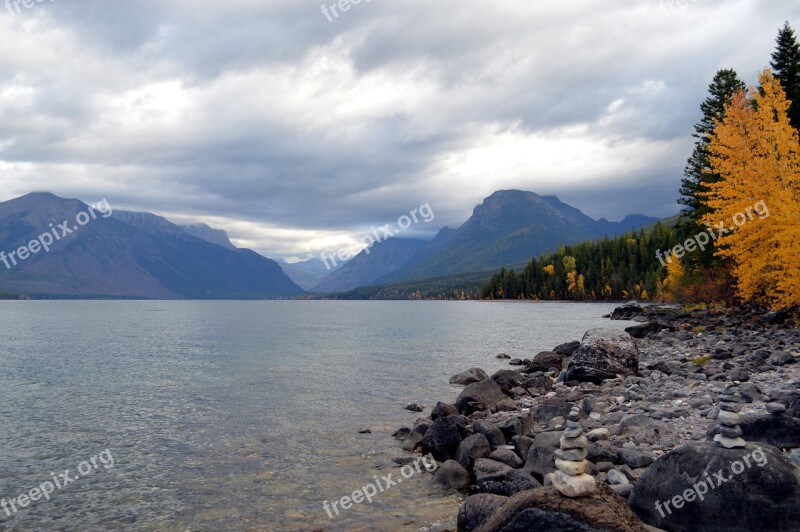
column 672, row 283
column 757, row 153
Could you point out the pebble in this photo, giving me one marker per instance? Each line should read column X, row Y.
column 615, row 477
column 598, row 434
column 776, row 408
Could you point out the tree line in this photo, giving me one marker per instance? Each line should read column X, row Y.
column 610, row 269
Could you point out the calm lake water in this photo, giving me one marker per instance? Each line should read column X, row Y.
column 240, row 415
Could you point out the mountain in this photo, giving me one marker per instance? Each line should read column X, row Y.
column 371, row 264
column 209, row 234
column 510, row 226
column 307, row 274
column 632, row 222
column 123, row 255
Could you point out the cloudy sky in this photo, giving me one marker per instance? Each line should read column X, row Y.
column 295, row 132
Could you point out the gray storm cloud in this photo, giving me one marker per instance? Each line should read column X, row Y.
column 292, row 131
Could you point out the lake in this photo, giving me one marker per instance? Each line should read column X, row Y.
column 240, row 415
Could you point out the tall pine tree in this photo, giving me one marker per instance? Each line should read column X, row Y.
column 786, row 64
column 698, row 174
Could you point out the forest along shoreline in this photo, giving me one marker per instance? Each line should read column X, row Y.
column 690, row 420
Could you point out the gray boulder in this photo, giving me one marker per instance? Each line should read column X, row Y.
column 550, row 408
column 452, row 475
column 507, row 379
column 442, row 439
column 603, row 452
column 483, row 395
column 628, row 311
column 413, row 442
column 763, row 496
column 603, row 354
column 443, row 410
column 472, row 448
column 636, row 458
column 492, row 432
column 507, row 457
column 516, row 481
column 641, row 331
column 522, row 445
column 476, row 509
column 780, row 431
column 517, row 426
column 469, row 376
column 538, row 384
column 567, row 349
column 545, row 361
column 541, row 455
column 487, row 470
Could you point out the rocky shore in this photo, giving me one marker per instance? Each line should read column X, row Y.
column 688, row 421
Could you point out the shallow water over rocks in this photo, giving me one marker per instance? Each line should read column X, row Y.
column 241, row 415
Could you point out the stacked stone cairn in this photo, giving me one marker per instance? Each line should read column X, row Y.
column 571, row 478
column 729, row 433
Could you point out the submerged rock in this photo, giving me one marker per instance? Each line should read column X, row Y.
column 452, row 475
column 627, row 311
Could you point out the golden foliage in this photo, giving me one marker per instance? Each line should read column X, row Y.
column 575, row 284
column 675, row 273
column 757, row 153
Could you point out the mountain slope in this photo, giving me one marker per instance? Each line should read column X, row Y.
column 209, row 234
column 371, row 264
column 307, row 274
column 127, row 255
column 511, row 226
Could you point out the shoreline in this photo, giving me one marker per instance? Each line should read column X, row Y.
column 496, row 443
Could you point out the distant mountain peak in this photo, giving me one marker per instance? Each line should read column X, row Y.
column 128, row 255
column 509, row 227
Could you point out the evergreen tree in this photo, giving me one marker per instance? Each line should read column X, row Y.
column 786, row 64
column 698, row 174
